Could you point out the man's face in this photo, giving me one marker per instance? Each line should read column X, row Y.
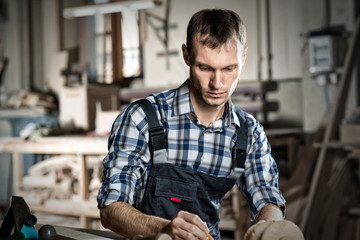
column 214, row 73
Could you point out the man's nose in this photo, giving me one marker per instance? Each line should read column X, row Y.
column 216, row 80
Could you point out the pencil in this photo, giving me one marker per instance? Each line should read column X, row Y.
column 209, row 236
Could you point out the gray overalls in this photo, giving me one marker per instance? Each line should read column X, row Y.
column 172, row 188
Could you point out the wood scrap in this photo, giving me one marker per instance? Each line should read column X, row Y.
column 255, row 231
column 47, row 180
column 59, row 176
column 274, row 230
column 282, row 230
column 25, row 99
column 161, row 236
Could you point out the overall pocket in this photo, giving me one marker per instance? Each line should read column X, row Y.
column 173, row 195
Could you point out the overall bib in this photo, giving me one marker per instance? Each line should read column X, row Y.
column 172, row 188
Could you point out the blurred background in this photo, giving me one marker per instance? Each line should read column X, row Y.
column 68, row 67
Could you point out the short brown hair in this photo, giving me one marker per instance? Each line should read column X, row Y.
column 214, row 27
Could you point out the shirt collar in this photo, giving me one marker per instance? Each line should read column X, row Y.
column 234, row 118
column 182, row 105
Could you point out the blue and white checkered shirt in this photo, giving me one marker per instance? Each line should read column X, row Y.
column 191, row 145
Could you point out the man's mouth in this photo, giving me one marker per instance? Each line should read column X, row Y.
column 215, row 94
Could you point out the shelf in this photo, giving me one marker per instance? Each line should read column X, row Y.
column 338, row 144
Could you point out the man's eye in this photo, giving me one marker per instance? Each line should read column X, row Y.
column 204, row 68
column 229, row 69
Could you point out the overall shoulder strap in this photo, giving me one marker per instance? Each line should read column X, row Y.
column 239, row 150
column 156, row 132
column 241, row 140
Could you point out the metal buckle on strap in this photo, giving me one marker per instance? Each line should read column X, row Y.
column 156, row 131
column 239, row 170
column 157, row 137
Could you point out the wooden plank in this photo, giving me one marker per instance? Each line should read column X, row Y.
column 338, row 144
column 321, row 169
column 22, row 112
column 67, row 207
column 83, row 178
column 65, row 233
column 56, row 145
column 18, row 172
column 85, row 221
column 227, row 224
column 117, row 50
column 337, row 190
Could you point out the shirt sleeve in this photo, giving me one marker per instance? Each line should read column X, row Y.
column 125, row 166
column 260, row 185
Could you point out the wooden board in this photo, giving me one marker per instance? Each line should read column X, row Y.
column 56, row 145
column 274, row 230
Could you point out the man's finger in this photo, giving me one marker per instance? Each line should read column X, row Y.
column 194, row 219
column 194, row 224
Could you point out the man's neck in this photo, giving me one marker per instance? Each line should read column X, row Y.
column 206, row 114
column 208, row 117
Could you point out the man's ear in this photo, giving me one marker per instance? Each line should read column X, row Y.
column 243, row 57
column 185, row 54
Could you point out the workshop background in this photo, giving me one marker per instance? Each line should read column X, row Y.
column 67, row 67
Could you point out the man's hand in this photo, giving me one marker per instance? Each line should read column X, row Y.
column 187, row 226
column 127, row 221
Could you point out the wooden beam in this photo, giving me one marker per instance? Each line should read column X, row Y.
column 55, row 145
column 117, row 49
column 18, row 166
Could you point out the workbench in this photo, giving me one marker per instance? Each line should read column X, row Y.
column 80, row 146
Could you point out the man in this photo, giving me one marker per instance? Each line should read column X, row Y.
column 181, row 195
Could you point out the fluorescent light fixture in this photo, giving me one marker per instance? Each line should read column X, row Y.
column 107, row 8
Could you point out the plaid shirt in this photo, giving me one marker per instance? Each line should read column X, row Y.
column 190, row 145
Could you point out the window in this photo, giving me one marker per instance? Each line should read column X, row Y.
column 109, row 45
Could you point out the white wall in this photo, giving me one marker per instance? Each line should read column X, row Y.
column 13, row 37
column 286, row 25
column 286, row 28
column 51, row 36
column 303, row 101
column 300, row 101
column 313, row 95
